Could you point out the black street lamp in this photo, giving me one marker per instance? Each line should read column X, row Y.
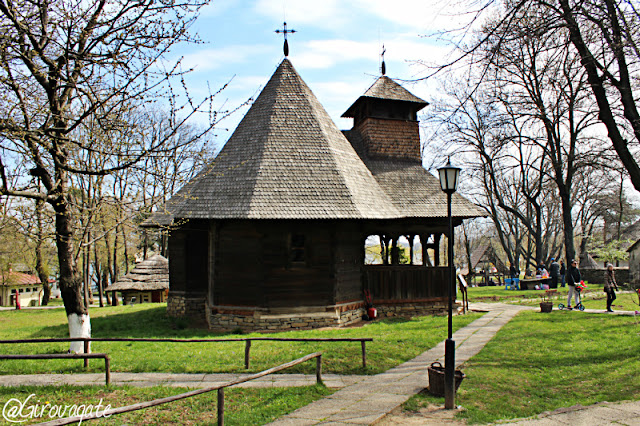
column 449, row 183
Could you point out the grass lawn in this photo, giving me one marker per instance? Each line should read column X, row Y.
column 540, row 362
column 593, row 298
column 395, row 341
column 242, row 406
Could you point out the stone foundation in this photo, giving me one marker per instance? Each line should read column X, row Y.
column 414, row 309
column 223, row 318
column 180, row 306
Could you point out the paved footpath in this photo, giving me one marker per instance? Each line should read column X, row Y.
column 370, row 400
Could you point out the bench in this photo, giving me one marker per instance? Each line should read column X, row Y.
column 107, row 370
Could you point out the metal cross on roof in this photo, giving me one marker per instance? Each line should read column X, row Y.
column 285, row 31
column 383, row 68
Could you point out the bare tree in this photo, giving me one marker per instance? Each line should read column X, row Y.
column 604, row 35
column 68, row 63
column 542, row 85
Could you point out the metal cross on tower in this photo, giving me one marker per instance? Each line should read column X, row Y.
column 285, row 31
column 383, row 67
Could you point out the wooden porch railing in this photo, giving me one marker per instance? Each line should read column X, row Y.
column 406, row 282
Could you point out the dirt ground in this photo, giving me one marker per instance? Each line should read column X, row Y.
column 431, row 415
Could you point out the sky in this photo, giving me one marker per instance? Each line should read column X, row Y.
column 335, row 49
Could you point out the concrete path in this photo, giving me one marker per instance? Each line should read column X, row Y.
column 374, row 397
column 334, row 381
column 605, row 413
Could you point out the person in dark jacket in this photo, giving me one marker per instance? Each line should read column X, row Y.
column 554, row 273
column 573, row 278
column 610, row 285
column 563, row 272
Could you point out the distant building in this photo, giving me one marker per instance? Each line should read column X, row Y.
column 147, row 282
column 634, row 262
column 26, row 288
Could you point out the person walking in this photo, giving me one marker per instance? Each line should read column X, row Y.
column 609, row 285
column 563, row 272
column 573, row 278
column 554, row 273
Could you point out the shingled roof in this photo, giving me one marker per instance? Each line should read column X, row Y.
column 285, row 160
column 415, row 192
column 385, row 88
column 148, row 275
column 288, row 160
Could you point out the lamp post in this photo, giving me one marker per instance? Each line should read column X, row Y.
column 449, row 183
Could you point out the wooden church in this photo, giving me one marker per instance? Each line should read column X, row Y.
column 271, row 235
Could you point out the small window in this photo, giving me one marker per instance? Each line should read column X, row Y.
column 13, row 291
column 297, row 252
column 22, row 290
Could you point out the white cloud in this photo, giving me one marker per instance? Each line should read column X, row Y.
column 209, row 59
column 323, row 13
column 420, row 15
column 327, row 53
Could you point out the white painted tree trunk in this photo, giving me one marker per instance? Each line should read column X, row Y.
column 79, row 326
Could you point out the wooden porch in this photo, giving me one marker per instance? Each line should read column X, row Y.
column 405, row 283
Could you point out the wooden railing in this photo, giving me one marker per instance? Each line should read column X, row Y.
column 405, row 282
column 247, row 340
column 85, row 356
column 219, row 388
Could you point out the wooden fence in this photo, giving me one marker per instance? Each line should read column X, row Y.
column 247, row 340
column 85, row 356
column 219, row 388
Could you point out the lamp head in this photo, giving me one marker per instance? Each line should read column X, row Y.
column 449, row 177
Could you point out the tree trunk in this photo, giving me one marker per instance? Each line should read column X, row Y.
column 605, row 113
column 41, row 269
column 105, row 283
column 70, row 279
column 570, row 250
column 98, row 272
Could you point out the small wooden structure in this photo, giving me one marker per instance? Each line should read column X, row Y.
column 486, row 255
column 147, row 282
column 272, row 234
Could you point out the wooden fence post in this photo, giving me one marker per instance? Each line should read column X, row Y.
column 364, row 353
column 221, row 407
column 107, row 370
column 86, row 351
column 319, row 369
column 247, row 350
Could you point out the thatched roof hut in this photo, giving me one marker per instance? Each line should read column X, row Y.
column 149, row 275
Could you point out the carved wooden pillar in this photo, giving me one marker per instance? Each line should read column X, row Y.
column 436, row 249
column 395, row 251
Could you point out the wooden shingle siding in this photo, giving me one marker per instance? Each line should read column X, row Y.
column 389, row 138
